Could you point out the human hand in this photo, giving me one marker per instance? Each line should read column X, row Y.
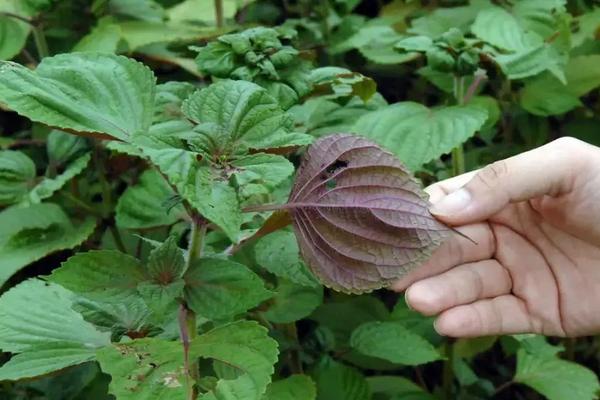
column 536, row 266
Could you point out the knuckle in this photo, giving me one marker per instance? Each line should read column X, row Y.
column 492, row 173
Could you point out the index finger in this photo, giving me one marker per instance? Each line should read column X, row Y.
column 442, row 188
column 456, row 250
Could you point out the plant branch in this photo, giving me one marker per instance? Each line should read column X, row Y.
column 187, row 335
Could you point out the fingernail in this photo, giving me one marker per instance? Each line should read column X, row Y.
column 452, row 203
column 406, row 301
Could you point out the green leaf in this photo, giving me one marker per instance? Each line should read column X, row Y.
column 296, row 387
column 105, row 275
column 37, row 313
column 235, row 116
column 187, row 11
column 588, row 24
column 469, row 348
column 397, row 388
column 169, row 98
column 145, row 369
column 138, row 34
column 260, row 173
column 13, row 35
column 145, row 10
column 209, row 194
column 344, row 316
column 29, row 234
column 501, row 29
column 45, row 358
column 131, row 314
column 546, row 95
column 293, row 302
column 336, row 381
column 84, row 92
column 17, row 172
column 440, row 130
column 442, row 19
column 393, row 342
column 555, row 378
column 48, row 186
column 63, row 147
column 217, row 288
column 103, row 38
column 278, row 253
column 166, row 263
column 144, row 205
column 245, row 346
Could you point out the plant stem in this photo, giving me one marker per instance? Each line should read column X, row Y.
column 458, row 153
column 219, row 13
column 117, row 237
column 16, row 16
column 570, row 348
column 448, row 372
column 294, row 355
column 196, row 240
column 187, row 318
column 40, row 41
column 458, row 160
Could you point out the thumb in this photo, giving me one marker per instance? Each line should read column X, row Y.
column 547, row 170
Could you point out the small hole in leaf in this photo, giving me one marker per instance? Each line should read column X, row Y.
column 338, row 164
column 331, row 184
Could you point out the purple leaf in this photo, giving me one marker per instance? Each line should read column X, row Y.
column 361, row 219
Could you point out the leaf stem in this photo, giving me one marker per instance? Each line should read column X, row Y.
column 40, row 41
column 16, row 16
column 502, row 387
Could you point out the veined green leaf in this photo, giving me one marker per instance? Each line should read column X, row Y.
column 145, row 369
column 296, row 387
column 37, row 313
column 31, row 233
column 260, row 172
column 279, row 254
column 546, row 95
column 397, row 387
column 63, row 147
column 144, row 205
column 45, row 358
column 217, row 288
column 48, row 186
column 13, row 36
column 103, row 38
column 556, row 379
column 104, row 275
column 246, row 346
column 89, row 93
column 209, row 194
column 234, row 116
column 293, row 302
column 336, row 381
column 17, row 172
column 417, row 134
column 393, row 342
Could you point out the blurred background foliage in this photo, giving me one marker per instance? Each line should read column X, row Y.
column 483, row 79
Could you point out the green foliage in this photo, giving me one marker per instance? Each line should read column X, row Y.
column 139, row 258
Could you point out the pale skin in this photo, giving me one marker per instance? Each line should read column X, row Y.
column 536, row 266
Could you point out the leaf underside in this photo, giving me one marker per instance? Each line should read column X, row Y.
column 360, row 218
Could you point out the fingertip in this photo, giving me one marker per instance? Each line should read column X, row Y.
column 421, row 297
